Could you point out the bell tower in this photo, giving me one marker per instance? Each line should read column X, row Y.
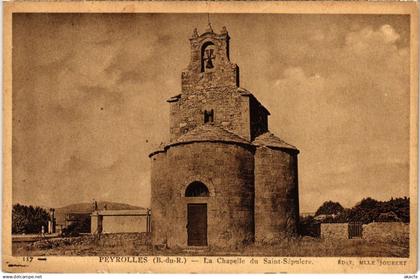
column 210, row 65
column 210, row 91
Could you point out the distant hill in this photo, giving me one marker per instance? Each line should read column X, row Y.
column 86, row 207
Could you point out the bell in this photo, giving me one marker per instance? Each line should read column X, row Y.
column 209, row 64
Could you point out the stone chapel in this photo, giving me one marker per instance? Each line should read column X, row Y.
column 223, row 179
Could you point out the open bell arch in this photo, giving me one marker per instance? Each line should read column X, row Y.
column 208, row 57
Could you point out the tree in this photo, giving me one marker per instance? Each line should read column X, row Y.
column 330, row 207
column 369, row 210
column 19, row 219
column 308, row 226
column 368, row 203
column 82, row 225
column 366, row 211
column 388, row 217
column 401, row 207
column 28, row 219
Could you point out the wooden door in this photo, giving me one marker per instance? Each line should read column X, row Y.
column 197, row 224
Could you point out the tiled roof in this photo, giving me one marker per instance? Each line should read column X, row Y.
column 270, row 140
column 160, row 148
column 209, row 132
column 216, row 133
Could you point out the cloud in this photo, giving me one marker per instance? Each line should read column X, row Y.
column 368, row 38
column 295, row 76
column 355, row 111
column 92, row 89
column 389, row 34
column 371, row 50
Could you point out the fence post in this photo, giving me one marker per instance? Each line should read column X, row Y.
column 149, row 225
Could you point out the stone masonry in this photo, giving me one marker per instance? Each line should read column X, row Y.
column 223, row 180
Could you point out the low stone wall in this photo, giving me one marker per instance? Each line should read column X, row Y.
column 119, row 222
column 386, row 231
column 377, row 231
column 124, row 224
column 334, row 230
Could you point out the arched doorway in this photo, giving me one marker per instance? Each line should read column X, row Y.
column 197, row 214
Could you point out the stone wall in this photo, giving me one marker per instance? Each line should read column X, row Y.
column 228, row 172
column 258, row 118
column 215, row 89
column 94, row 220
column 334, row 230
column 377, row 231
column 188, row 112
column 276, row 195
column 161, row 195
column 210, row 89
column 228, row 169
column 124, row 224
column 224, row 72
column 386, row 231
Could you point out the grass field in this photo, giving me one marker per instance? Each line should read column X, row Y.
column 136, row 244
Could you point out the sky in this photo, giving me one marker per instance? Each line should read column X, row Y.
column 89, row 95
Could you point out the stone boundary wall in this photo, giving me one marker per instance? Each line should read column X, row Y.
column 334, row 230
column 377, row 231
column 124, row 224
column 386, row 231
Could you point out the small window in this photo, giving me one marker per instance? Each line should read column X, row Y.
column 208, row 116
column 197, row 189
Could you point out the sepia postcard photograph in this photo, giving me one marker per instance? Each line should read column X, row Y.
column 234, row 137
